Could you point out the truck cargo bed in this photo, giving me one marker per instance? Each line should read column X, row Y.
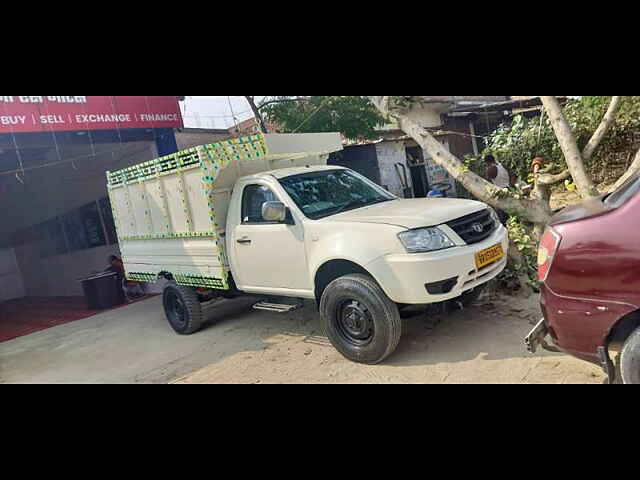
column 170, row 212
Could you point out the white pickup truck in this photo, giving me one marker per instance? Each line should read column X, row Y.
column 264, row 215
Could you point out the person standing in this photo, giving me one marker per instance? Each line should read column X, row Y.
column 499, row 176
column 496, row 173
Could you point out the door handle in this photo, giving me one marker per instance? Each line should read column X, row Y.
column 244, row 240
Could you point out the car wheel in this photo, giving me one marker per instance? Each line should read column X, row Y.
column 630, row 359
column 182, row 308
column 362, row 323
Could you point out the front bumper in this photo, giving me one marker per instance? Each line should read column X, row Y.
column 404, row 277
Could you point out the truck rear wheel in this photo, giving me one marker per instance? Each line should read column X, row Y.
column 630, row 359
column 362, row 323
column 182, row 308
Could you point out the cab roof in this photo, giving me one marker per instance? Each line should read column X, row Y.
column 289, row 172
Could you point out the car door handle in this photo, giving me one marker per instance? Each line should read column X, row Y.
column 244, row 240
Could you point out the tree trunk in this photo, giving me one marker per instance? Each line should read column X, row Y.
column 256, row 113
column 608, row 120
column 569, row 146
column 634, row 168
column 594, row 142
column 531, row 210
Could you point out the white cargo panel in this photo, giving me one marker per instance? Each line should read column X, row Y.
column 170, row 212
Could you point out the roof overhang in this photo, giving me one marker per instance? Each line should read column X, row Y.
column 503, row 106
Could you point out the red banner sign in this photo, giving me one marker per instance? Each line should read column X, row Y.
column 47, row 114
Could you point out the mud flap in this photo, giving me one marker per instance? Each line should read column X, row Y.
column 607, row 365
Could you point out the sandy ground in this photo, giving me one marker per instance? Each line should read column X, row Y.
column 477, row 345
column 136, row 345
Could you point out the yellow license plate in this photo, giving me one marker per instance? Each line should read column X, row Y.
column 489, row 256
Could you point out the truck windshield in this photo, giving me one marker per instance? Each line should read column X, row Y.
column 624, row 193
column 328, row 192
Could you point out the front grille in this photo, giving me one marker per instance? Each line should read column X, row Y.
column 464, row 226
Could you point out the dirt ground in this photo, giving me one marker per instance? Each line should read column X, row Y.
column 135, row 344
column 482, row 344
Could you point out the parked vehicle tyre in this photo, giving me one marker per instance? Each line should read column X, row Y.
column 630, row 359
column 182, row 308
column 362, row 323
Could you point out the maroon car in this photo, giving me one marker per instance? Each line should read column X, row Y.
column 589, row 266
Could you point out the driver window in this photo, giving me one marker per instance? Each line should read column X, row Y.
column 253, row 197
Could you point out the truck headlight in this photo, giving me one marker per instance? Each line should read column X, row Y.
column 494, row 216
column 425, row 240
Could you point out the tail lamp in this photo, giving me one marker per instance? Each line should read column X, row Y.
column 546, row 252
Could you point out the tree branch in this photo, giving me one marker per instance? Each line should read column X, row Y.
column 533, row 211
column 547, row 179
column 594, row 142
column 634, row 168
column 382, row 104
column 282, row 100
column 256, row 113
column 606, row 123
column 569, row 146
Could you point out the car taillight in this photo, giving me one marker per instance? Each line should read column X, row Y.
column 547, row 250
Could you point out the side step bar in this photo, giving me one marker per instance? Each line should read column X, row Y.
column 276, row 307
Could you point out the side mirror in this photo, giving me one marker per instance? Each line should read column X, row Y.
column 274, row 211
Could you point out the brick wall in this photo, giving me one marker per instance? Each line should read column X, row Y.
column 188, row 138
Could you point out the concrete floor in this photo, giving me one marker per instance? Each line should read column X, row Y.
column 136, row 345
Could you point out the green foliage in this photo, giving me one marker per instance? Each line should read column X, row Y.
column 404, row 102
column 355, row 117
column 515, row 144
column 521, row 237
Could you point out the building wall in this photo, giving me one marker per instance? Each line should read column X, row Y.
column 360, row 158
column 11, row 282
column 389, row 154
column 48, row 192
column 459, row 145
column 193, row 137
column 54, row 191
column 250, row 127
column 58, row 276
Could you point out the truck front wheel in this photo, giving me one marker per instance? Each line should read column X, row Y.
column 362, row 323
column 182, row 308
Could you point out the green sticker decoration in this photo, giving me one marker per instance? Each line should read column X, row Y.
column 211, row 159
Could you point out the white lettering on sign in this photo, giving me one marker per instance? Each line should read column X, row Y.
column 68, row 99
column 51, row 119
column 31, row 99
column 78, row 99
column 97, row 118
column 166, row 117
column 13, row 120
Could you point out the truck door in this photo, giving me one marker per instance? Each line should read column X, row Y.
column 267, row 254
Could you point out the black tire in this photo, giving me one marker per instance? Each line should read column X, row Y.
column 182, row 308
column 362, row 323
column 630, row 359
column 467, row 298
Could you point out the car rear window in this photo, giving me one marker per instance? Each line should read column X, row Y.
column 626, row 191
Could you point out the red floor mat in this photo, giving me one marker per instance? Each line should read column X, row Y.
column 30, row 314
